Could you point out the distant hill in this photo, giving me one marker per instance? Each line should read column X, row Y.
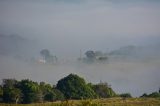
column 137, row 51
column 15, row 45
column 127, row 50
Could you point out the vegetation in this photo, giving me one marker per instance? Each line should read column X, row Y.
column 11, row 93
column 103, row 90
column 75, row 87
column 98, row 102
column 94, row 56
column 125, row 95
column 152, row 95
column 71, row 90
column 48, row 57
column 70, row 87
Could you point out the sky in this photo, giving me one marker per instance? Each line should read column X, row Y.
column 67, row 26
column 72, row 25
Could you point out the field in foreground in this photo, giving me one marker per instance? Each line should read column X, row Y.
column 98, row 102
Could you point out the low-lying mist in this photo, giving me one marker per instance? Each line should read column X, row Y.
column 124, row 74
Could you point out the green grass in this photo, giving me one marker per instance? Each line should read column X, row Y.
column 98, row 102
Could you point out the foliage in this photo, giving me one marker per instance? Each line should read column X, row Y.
column 90, row 54
column 27, row 91
column 50, row 96
column 11, row 94
column 59, row 94
column 126, row 95
column 103, row 90
column 50, row 93
column 45, row 53
column 152, row 95
column 48, row 57
column 69, row 87
column 144, row 95
column 75, row 87
column 31, row 91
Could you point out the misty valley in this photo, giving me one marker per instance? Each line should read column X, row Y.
column 79, row 53
column 127, row 69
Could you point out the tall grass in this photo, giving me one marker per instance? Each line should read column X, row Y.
column 98, row 102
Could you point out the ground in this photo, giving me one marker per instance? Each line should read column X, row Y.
column 99, row 102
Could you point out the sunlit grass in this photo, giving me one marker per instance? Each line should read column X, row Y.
column 98, row 102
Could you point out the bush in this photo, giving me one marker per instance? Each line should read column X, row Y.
column 126, row 95
column 154, row 95
column 103, row 90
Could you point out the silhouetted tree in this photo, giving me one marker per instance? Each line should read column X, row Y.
column 90, row 54
column 45, row 53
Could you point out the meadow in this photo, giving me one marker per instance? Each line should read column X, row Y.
column 98, row 102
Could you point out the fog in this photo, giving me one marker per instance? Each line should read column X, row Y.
column 68, row 27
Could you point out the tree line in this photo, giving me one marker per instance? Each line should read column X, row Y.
column 70, row 87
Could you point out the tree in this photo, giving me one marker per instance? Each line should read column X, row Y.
column 45, row 53
column 50, row 96
column 154, row 95
column 144, row 95
column 103, row 90
column 90, row 54
column 50, row 93
column 75, row 87
column 59, row 94
column 9, row 83
column 125, row 95
column 49, row 58
column 11, row 94
column 31, row 91
column 45, row 87
column 47, row 91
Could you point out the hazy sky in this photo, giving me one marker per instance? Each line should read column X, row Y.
column 71, row 25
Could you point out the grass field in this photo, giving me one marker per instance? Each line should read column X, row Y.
column 98, row 102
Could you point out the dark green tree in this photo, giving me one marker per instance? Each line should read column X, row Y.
column 144, row 95
column 50, row 96
column 125, row 95
column 59, row 94
column 75, row 87
column 12, row 95
column 31, row 91
column 154, row 95
column 47, row 91
column 11, row 92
